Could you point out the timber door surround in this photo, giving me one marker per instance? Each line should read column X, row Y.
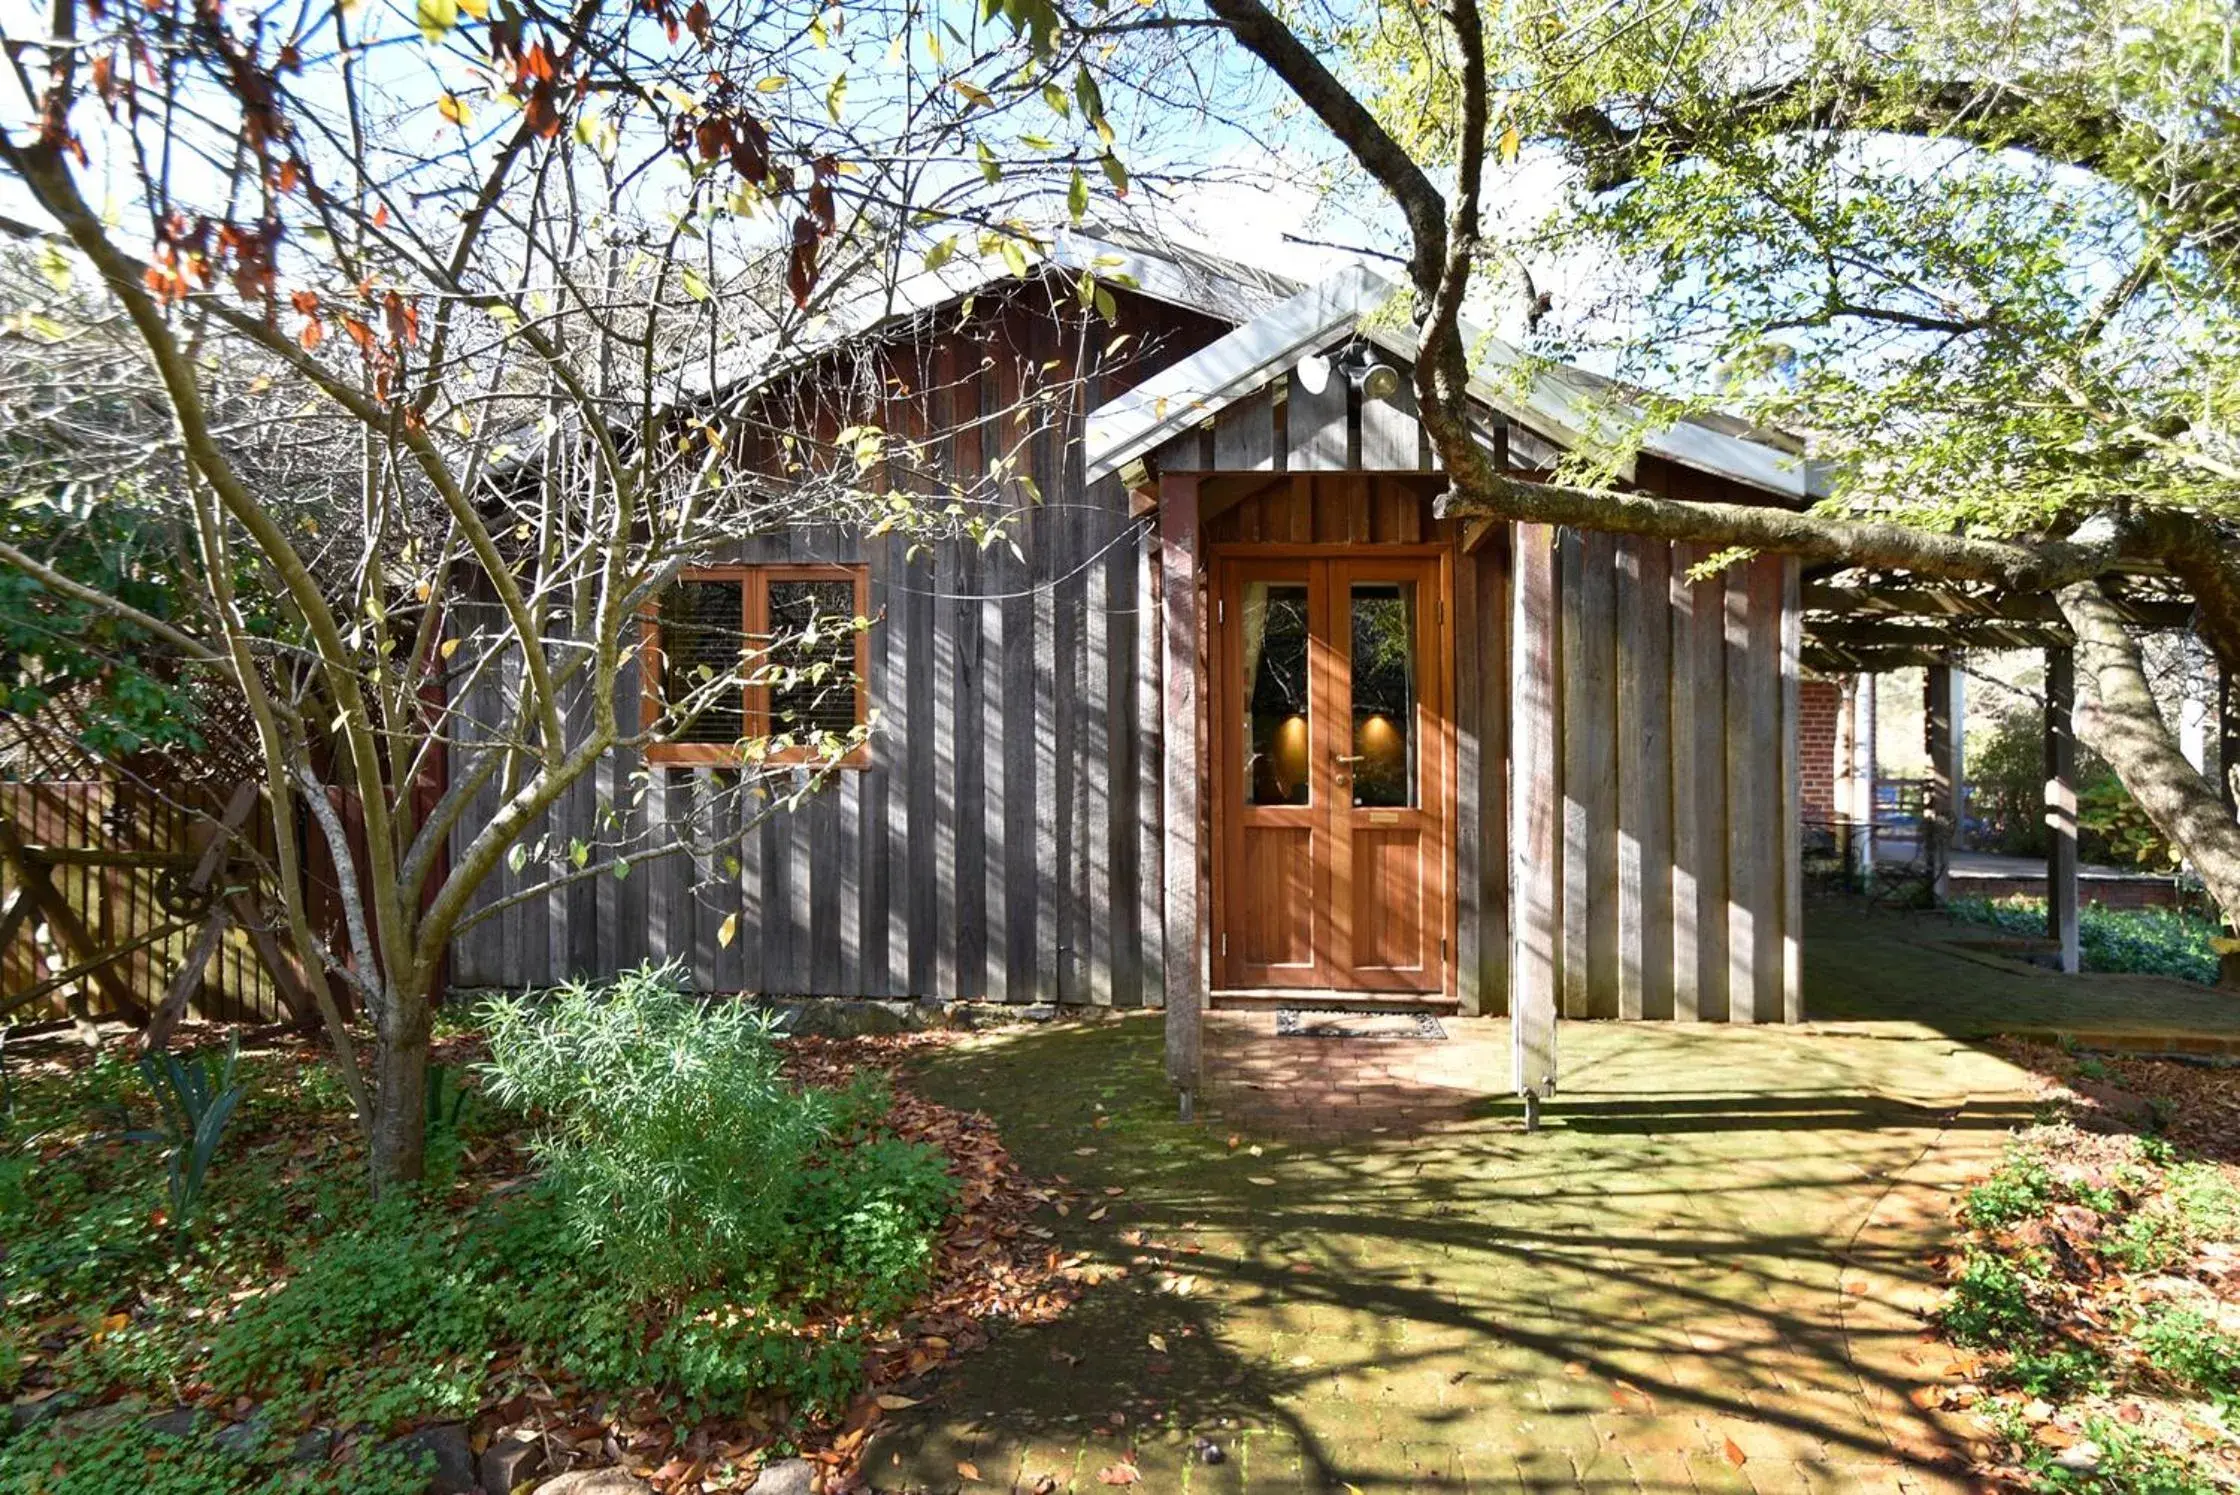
column 1333, row 769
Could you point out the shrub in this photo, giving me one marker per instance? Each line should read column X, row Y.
column 674, row 1142
column 678, row 1151
column 2142, row 941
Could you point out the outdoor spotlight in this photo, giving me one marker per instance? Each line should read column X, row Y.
column 1314, row 373
column 1379, row 381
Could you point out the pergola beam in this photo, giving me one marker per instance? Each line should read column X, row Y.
column 1915, row 601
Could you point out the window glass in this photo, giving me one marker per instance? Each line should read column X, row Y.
column 701, row 643
column 811, row 664
column 1276, row 703
column 1384, row 693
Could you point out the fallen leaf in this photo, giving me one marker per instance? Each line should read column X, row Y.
column 1262, row 1180
column 1735, row 1455
column 968, row 1471
column 1159, row 1343
column 1122, row 1473
column 892, row 1403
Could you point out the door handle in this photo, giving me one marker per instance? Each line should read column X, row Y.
column 1348, row 758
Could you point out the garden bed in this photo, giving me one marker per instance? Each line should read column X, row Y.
column 294, row 1336
column 2094, row 1298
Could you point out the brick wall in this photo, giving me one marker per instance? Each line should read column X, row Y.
column 1819, row 706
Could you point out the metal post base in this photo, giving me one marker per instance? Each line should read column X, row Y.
column 1531, row 1111
column 1189, row 1101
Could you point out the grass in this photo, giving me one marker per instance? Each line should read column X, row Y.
column 2143, row 941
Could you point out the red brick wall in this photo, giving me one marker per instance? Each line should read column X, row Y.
column 1819, row 706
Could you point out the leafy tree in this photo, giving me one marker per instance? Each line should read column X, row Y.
column 453, row 325
column 1988, row 256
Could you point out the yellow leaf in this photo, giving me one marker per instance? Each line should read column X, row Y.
column 454, row 108
column 728, row 931
column 437, row 17
column 1509, row 144
column 479, row 9
column 450, row 647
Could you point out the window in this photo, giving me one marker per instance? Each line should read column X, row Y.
column 773, row 655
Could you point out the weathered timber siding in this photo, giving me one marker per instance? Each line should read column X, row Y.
column 1666, row 725
column 997, row 844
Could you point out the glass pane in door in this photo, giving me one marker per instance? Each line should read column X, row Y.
column 1384, row 693
column 1275, row 692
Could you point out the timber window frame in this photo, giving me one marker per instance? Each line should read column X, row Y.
column 756, row 711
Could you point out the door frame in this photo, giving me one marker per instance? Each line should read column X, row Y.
column 1222, row 771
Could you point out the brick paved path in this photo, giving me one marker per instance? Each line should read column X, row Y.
column 1704, row 1274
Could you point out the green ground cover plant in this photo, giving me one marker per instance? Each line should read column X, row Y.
column 2088, row 1281
column 629, row 1198
column 2140, row 941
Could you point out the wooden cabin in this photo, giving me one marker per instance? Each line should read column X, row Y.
column 1233, row 712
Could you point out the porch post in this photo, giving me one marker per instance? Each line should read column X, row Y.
column 1535, row 818
column 1185, row 961
column 2061, row 805
column 1940, row 810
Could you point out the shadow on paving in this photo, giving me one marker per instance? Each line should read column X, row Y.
column 1891, row 965
column 1698, row 1276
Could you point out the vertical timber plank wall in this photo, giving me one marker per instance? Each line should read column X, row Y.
column 1654, row 811
column 1008, row 839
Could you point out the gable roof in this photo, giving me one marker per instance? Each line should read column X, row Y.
column 1565, row 405
column 1161, row 269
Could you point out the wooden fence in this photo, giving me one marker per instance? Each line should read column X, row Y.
column 120, row 857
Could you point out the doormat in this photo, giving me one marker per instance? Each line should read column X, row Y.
column 1327, row 1022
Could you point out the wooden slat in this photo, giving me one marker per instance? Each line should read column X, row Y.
column 849, row 793
column 1048, row 868
column 1093, row 834
column 1536, row 811
column 819, row 845
column 1747, row 889
column 1178, row 546
column 1315, row 427
column 1244, row 435
column 1708, row 671
column 1788, row 845
column 1390, row 437
column 1644, row 780
column 1150, row 771
column 884, row 930
column 1469, row 700
column 1687, row 795
column 919, row 888
column 946, row 612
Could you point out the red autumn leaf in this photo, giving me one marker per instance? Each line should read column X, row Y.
column 314, row 333
column 359, row 332
column 1735, row 1455
column 1122, row 1473
column 306, row 303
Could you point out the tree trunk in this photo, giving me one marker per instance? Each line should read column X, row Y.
column 400, row 1099
column 2125, row 727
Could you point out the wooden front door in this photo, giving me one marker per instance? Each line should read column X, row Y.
column 1333, row 772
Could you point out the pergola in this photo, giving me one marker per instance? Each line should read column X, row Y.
column 1866, row 623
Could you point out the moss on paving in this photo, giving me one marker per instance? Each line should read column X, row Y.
column 1887, row 965
column 1644, row 1296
